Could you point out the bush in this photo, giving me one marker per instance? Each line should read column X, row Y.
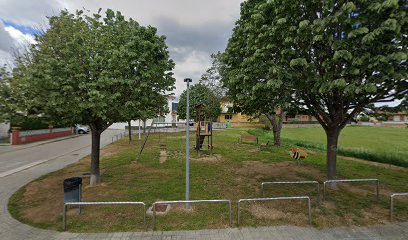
column 32, row 124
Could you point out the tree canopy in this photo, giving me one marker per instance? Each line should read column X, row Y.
column 95, row 70
column 335, row 57
column 199, row 94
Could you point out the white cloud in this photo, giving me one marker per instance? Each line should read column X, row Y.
column 5, row 58
column 20, row 38
column 6, row 41
column 188, row 12
column 192, row 66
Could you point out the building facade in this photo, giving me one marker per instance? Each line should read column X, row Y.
column 162, row 121
column 4, row 131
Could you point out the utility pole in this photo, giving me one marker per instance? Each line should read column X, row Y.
column 188, row 81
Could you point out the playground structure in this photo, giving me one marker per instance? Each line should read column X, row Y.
column 203, row 130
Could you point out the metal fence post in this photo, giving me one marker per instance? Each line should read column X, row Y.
column 391, row 207
column 392, row 202
column 310, row 210
column 378, row 190
column 239, row 212
column 230, row 213
column 154, row 216
column 64, row 217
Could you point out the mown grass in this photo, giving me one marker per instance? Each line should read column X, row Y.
column 377, row 144
column 236, row 172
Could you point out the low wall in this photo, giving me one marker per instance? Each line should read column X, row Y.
column 247, row 124
column 301, row 125
column 22, row 137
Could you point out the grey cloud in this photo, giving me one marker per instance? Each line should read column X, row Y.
column 29, row 12
column 6, row 41
column 207, row 37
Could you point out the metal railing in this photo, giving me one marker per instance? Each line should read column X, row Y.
column 353, row 180
column 276, row 199
column 118, row 136
column 64, row 217
column 294, row 182
column 191, row 201
column 392, row 202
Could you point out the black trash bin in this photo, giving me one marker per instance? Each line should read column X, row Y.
column 72, row 189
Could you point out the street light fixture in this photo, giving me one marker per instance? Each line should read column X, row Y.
column 188, row 81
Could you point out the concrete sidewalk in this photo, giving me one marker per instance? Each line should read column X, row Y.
column 13, row 230
column 5, row 148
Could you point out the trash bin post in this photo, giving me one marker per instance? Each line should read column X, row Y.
column 80, row 198
column 73, row 191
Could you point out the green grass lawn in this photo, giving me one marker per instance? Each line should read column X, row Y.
column 235, row 171
column 379, row 144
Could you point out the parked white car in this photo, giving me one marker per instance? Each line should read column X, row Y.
column 81, row 129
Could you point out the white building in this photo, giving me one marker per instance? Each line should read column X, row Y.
column 4, row 128
column 169, row 118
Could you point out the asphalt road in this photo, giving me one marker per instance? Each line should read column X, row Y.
column 17, row 158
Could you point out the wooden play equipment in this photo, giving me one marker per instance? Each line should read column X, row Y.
column 203, row 130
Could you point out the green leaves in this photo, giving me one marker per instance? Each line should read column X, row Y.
column 88, row 69
column 298, row 62
column 342, row 55
column 357, row 32
column 333, row 57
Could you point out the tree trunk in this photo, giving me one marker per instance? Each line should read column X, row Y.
column 130, row 132
column 144, row 127
column 332, row 140
column 96, row 141
column 277, row 123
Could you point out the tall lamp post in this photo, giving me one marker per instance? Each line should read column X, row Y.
column 188, row 81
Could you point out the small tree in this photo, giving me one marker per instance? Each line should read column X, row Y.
column 93, row 70
column 199, row 94
column 337, row 57
column 212, row 78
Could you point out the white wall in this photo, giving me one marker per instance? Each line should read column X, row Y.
column 4, row 128
column 168, row 119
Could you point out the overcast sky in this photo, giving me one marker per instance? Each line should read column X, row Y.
column 194, row 28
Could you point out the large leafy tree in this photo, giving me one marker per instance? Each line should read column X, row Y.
column 337, row 57
column 93, row 70
column 200, row 94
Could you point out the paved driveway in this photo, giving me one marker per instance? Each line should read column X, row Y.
column 64, row 154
